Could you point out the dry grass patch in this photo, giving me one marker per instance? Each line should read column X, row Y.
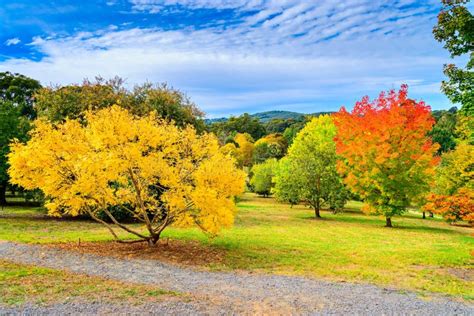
column 178, row 252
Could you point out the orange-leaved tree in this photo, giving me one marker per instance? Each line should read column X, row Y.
column 159, row 173
column 387, row 157
column 455, row 207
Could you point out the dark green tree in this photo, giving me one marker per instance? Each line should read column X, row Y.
column 244, row 124
column 444, row 131
column 455, row 29
column 12, row 125
column 279, row 125
column 16, row 108
column 19, row 89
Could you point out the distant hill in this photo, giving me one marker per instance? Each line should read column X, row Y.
column 267, row 116
column 270, row 115
column 264, row 116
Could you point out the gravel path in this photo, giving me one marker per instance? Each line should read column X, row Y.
column 238, row 292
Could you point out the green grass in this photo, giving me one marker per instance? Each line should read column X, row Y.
column 422, row 255
column 20, row 284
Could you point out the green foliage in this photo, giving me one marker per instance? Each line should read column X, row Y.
column 16, row 107
column 280, row 125
column 270, row 146
column 455, row 29
column 12, row 125
column 290, row 133
column 444, row 131
column 262, row 175
column 244, row 124
column 19, row 90
column 456, row 170
column 169, row 103
column 308, row 173
column 58, row 103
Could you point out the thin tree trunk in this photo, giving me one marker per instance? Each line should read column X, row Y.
column 431, row 214
column 424, row 215
column 316, row 212
column 388, row 222
column 3, row 193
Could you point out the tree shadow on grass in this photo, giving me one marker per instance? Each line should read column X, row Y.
column 44, row 218
column 429, row 229
column 375, row 221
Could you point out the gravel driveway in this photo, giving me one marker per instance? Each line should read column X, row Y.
column 228, row 292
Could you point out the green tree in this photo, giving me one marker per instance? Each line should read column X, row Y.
column 19, row 89
column 16, row 107
column 280, row 125
column 262, row 175
column 290, row 132
column 455, row 29
column 244, row 124
column 57, row 103
column 167, row 102
column 270, row 146
column 444, row 131
column 12, row 125
column 308, row 174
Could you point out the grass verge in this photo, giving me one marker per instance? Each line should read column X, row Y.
column 21, row 284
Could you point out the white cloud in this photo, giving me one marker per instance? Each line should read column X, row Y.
column 260, row 63
column 12, row 41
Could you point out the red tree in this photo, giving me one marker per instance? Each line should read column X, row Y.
column 386, row 156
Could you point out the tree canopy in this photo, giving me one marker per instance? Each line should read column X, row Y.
column 16, row 108
column 160, row 173
column 19, row 90
column 388, row 159
column 262, row 177
column 61, row 102
column 308, row 173
column 455, row 29
column 244, row 124
column 270, row 146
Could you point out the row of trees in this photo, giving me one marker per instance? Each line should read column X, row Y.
column 380, row 152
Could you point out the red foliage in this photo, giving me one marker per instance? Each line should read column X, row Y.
column 387, row 157
column 459, row 206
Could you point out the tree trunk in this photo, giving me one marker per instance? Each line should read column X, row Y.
column 424, row 215
column 316, row 212
column 388, row 222
column 153, row 240
column 431, row 214
column 3, row 193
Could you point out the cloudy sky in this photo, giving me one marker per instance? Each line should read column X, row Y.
column 233, row 56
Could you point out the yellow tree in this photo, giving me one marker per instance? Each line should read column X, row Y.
column 158, row 172
column 453, row 191
column 244, row 150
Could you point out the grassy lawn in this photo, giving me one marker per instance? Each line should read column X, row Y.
column 422, row 255
column 21, row 284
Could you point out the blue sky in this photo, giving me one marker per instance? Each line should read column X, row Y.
column 233, row 56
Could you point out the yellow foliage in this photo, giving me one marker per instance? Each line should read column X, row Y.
column 163, row 174
column 244, row 151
